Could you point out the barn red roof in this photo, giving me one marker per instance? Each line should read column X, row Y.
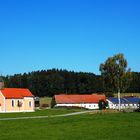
column 94, row 98
column 16, row 93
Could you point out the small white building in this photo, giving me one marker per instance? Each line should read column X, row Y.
column 81, row 101
column 126, row 102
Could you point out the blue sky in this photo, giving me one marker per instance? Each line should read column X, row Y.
column 69, row 34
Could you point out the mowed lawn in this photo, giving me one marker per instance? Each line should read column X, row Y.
column 119, row 126
column 45, row 112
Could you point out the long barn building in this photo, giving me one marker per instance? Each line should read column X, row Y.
column 81, row 101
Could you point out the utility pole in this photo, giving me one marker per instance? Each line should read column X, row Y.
column 119, row 99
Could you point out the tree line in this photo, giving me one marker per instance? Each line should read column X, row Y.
column 55, row 81
column 51, row 82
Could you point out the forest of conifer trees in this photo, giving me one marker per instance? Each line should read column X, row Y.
column 54, row 81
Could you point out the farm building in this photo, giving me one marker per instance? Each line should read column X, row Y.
column 126, row 102
column 16, row 100
column 37, row 102
column 81, row 101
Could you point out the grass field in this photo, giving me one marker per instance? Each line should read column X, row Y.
column 117, row 126
column 45, row 100
column 128, row 94
column 46, row 112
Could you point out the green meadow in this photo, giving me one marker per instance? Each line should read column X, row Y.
column 44, row 112
column 111, row 126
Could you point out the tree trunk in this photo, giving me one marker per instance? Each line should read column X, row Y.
column 119, row 100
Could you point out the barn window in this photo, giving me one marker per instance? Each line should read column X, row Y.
column 12, row 103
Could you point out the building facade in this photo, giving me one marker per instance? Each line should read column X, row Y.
column 16, row 100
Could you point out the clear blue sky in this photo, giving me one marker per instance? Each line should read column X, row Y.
column 69, row 34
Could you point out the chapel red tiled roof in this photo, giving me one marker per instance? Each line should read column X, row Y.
column 16, row 93
column 65, row 99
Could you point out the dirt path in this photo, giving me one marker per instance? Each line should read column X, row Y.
column 41, row 117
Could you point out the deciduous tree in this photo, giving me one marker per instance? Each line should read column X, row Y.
column 116, row 74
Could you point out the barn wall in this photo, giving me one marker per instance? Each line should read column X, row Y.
column 84, row 105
